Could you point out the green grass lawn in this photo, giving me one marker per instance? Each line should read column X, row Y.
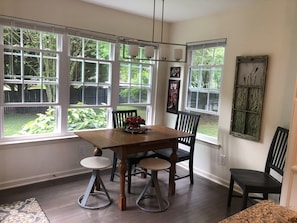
column 14, row 122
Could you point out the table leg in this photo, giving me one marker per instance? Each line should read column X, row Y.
column 122, row 196
column 173, row 158
column 97, row 152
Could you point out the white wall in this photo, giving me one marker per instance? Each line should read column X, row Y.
column 267, row 27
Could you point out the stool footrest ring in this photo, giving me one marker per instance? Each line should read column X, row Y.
column 104, row 200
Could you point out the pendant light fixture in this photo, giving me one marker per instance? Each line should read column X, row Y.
column 154, row 50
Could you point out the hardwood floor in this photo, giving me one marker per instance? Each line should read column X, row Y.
column 202, row 202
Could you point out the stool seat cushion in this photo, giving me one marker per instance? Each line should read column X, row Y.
column 96, row 162
column 154, row 164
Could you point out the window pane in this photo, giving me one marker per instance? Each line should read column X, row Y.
column 208, row 54
column 208, row 125
column 75, row 46
column 90, row 48
column 105, row 50
column 49, row 41
column 205, row 76
column 90, row 72
column 75, row 71
column 192, row 100
column 124, row 95
column 216, row 78
column 194, row 81
column 12, row 36
column 49, row 65
column 197, row 57
column 219, row 55
column 104, row 73
column 29, row 120
column 202, row 100
column 12, row 64
column 86, row 118
column 31, row 39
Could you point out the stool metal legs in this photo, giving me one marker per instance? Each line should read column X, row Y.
column 163, row 204
column 83, row 199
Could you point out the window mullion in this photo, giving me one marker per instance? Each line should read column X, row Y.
column 63, row 87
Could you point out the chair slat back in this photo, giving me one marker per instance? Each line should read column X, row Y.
column 119, row 117
column 277, row 153
column 187, row 122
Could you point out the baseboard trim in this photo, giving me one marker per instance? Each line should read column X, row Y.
column 212, row 177
column 42, row 178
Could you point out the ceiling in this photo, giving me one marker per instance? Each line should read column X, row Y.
column 174, row 10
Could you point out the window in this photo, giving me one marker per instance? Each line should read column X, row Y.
column 135, row 82
column 57, row 80
column 204, row 84
column 90, row 82
column 31, row 79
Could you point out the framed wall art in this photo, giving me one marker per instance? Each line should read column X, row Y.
column 173, row 96
column 175, row 72
column 248, row 95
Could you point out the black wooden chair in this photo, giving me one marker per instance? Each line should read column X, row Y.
column 119, row 118
column 186, row 122
column 252, row 181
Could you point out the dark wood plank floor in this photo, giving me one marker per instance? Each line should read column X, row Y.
column 202, row 202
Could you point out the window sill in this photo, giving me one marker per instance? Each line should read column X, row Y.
column 208, row 141
column 37, row 140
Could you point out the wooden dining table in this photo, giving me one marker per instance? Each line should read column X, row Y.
column 124, row 143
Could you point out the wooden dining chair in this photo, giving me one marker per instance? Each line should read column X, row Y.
column 119, row 117
column 186, row 122
column 252, row 181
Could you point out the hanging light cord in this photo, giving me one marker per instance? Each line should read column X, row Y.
column 162, row 21
column 154, row 21
column 154, row 17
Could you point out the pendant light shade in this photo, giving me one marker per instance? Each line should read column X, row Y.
column 149, row 52
column 167, row 52
column 178, row 54
column 133, row 51
column 163, row 52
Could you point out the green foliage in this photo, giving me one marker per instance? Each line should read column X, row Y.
column 85, row 118
column 44, row 123
column 82, row 118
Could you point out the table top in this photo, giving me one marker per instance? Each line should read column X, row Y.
column 110, row 138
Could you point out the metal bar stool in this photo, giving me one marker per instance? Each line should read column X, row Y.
column 155, row 165
column 96, row 163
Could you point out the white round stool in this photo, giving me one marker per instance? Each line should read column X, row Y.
column 96, row 163
column 155, row 165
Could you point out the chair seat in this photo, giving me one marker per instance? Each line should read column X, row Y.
column 154, row 164
column 166, row 153
column 255, row 181
column 96, row 162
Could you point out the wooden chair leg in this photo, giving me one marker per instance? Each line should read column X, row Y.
column 265, row 196
column 114, row 166
column 129, row 177
column 231, row 185
column 191, row 171
column 244, row 199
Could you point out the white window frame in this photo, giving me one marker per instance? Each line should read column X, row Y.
column 63, row 95
column 195, row 46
